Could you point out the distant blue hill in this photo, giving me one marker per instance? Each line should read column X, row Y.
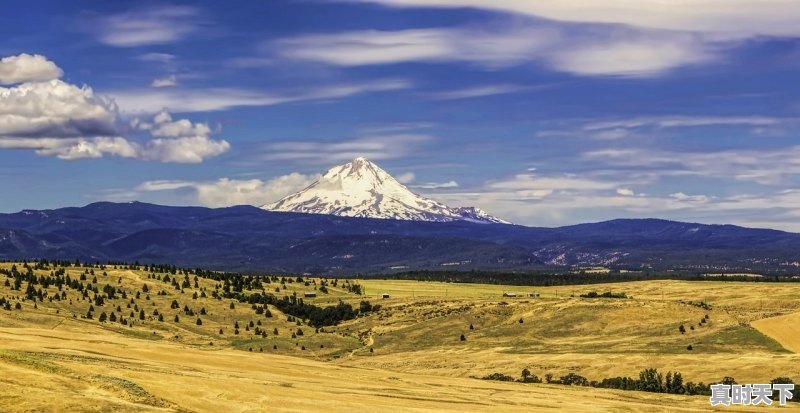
column 245, row 238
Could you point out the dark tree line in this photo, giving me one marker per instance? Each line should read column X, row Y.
column 557, row 279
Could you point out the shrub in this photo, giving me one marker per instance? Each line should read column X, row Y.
column 498, row 377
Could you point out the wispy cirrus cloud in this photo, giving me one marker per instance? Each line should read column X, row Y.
column 147, row 26
column 764, row 166
column 157, row 57
column 435, row 185
column 323, row 153
column 686, row 121
column 733, row 18
column 212, row 99
column 480, row 91
column 220, row 192
column 637, row 127
column 595, row 51
column 560, row 199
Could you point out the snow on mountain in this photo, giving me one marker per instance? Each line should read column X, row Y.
column 475, row 214
column 362, row 189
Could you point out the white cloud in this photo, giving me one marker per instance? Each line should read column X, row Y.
column 532, row 183
column 371, row 47
column 319, row 153
column 163, row 126
column 226, row 191
column 625, row 192
column 205, row 100
column 396, row 127
column 54, row 109
column 479, row 91
column 406, row 178
column 89, row 149
column 640, row 127
column 436, row 185
column 565, row 199
column 55, row 118
column 166, row 81
column 157, row 57
column 27, row 68
column 156, row 25
column 179, row 141
column 633, row 56
column 194, row 149
column 680, row 196
column 764, row 166
column 687, row 121
column 599, row 52
column 729, row 18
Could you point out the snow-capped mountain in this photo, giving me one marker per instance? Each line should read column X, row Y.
column 362, row 189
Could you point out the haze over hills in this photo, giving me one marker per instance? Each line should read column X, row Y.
column 362, row 189
column 245, row 238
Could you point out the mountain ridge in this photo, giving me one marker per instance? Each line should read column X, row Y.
column 246, row 238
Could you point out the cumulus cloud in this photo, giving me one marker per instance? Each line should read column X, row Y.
column 225, row 191
column 27, row 68
column 163, row 126
column 150, row 26
column 597, row 52
column 55, row 118
column 194, row 149
column 88, row 149
column 54, row 109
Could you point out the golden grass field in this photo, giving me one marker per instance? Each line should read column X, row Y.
column 53, row 360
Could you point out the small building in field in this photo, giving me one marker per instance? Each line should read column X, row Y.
column 310, row 294
column 385, row 295
column 534, row 295
column 509, row 294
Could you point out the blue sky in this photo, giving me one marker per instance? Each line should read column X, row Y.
column 543, row 113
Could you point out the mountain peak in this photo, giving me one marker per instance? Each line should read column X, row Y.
column 361, row 188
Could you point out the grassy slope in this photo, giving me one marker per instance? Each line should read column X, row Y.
column 596, row 338
column 418, row 362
